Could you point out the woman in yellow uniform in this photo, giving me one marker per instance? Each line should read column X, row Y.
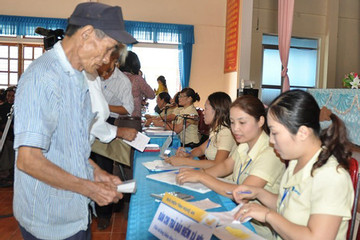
column 163, row 104
column 187, row 112
column 253, row 162
column 316, row 193
column 220, row 143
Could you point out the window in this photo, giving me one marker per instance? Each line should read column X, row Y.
column 156, row 60
column 15, row 57
column 302, row 66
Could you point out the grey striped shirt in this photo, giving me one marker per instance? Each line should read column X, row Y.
column 53, row 112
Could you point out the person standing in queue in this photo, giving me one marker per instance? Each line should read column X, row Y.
column 55, row 181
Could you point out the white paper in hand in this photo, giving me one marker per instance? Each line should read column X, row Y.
column 127, row 187
column 139, row 142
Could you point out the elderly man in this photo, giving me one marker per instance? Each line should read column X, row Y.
column 54, row 178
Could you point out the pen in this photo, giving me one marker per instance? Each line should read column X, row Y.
column 240, row 192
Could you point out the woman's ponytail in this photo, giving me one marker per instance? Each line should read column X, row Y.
column 334, row 142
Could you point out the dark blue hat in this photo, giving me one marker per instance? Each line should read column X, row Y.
column 107, row 18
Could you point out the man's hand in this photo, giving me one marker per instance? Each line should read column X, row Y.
column 104, row 189
column 104, row 193
column 128, row 134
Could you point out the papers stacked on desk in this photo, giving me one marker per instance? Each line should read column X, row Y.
column 235, row 232
column 161, row 165
column 231, row 229
column 151, row 132
column 153, row 128
column 170, row 178
column 152, row 148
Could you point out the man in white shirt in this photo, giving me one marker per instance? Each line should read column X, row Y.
column 116, row 87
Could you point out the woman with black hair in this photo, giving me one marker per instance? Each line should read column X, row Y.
column 162, row 87
column 187, row 112
column 220, row 143
column 316, row 193
column 140, row 89
column 253, row 162
column 163, row 104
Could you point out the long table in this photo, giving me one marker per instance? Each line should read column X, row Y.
column 143, row 207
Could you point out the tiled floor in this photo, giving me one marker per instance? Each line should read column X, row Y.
column 9, row 229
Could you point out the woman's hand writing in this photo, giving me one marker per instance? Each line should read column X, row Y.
column 188, row 175
column 181, row 152
column 175, row 161
column 244, row 192
column 253, row 210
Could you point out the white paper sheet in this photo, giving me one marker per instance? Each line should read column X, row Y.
column 159, row 132
column 226, row 218
column 205, row 204
column 170, row 178
column 161, row 165
column 139, row 142
column 127, row 186
column 235, row 231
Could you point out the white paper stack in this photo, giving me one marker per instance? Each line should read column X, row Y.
column 159, row 132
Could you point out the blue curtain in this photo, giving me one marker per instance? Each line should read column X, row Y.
column 180, row 34
column 16, row 25
column 185, row 53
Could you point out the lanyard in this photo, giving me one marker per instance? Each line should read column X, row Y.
column 240, row 172
column 208, row 143
column 286, row 193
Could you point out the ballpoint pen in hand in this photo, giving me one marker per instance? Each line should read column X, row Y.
column 240, row 192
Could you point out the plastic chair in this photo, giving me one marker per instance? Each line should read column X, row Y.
column 354, row 174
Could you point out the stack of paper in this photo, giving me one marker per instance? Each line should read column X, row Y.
column 230, row 229
column 159, row 132
column 235, row 232
column 153, row 128
column 170, row 178
column 152, row 148
column 161, row 165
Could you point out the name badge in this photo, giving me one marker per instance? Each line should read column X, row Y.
column 178, row 219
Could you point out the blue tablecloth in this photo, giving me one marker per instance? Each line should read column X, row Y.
column 143, row 206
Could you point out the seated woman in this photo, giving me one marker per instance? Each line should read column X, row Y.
column 163, row 103
column 220, row 143
column 316, row 193
column 186, row 112
column 253, row 162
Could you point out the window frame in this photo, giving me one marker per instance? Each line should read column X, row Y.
column 276, row 47
column 21, row 42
